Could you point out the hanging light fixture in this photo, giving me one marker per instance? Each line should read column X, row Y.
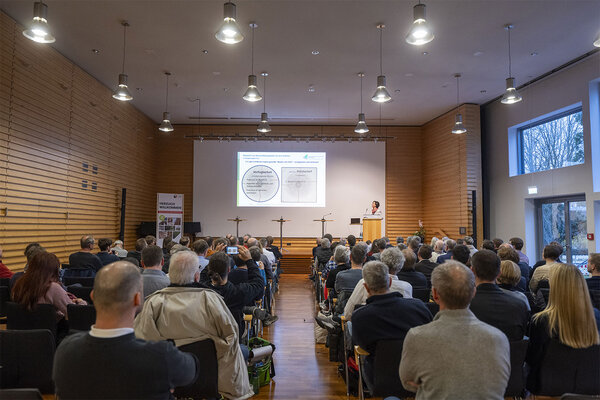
column 597, row 41
column 381, row 95
column 511, row 95
column 420, row 32
column 263, row 126
column 122, row 92
column 229, row 31
column 361, row 126
column 39, row 31
column 252, row 94
column 458, row 120
column 166, row 126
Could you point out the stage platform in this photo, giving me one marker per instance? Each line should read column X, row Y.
column 297, row 254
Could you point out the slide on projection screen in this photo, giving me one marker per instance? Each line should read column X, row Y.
column 261, row 182
column 277, row 179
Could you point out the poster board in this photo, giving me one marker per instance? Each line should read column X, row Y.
column 169, row 217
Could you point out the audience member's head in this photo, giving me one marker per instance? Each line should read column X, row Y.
column 341, row 255
column 551, row 252
column 485, row 265
column 394, row 259
column 184, row 268
column 104, row 244
column 425, row 252
column 376, row 277
column 118, row 290
column 150, row 240
column 184, row 241
column 497, row 242
column 508, row 253
column 32, row 250
column 140, row 244
column 569, row 311
column 453, row 285
column 219, row 244
column 176, row 248
column 460, row 242
column 263, row 243
column 132, row 260
column 386, row 240
column 255, row 253
column 87, row 242
column 358, row 255
column 399, row 239
column 510, row 273
column 218, row 268
column 119, row 244
column 450, row 244
column 270, row 240
column 251, row 242
column 351, row 240
column 433, row 241
column 200, row 247
column 410, row 260
column 209, row 240
column 461, row 253
column 33, row 285
column 166, row 242
column 233, row 240
column 378, row 245
column 439, row 246
column 328, row 236
column 246, row 237
column 468, row 240
column 517, row 243
column 325, row 243
column 414, row 243
column 593, row 265
column 488, row 245
column 152, row 256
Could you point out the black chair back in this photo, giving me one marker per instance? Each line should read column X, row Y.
column 595, row 296
column 26, row 358
column 4, row 281
column 207, row 384
column 42, row 316
column 387, row 362
column 21, row 394
column 83, row 281
column 81, row 318
column 421, row 294
column 82, row 292
column 4, row 298
column 516, row 382
column 433, row 308
column 546, row 294
column 567, row 370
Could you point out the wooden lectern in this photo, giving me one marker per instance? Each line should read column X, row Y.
column 371, row 227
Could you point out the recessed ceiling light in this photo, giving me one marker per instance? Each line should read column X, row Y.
column 409, row 74
column 445, row 85
column 425, row 53
column 204, row 51
column 311, row 89
column 478, row 53
column 96, row 51
column 315, row 52
column 226, row 89
column 533, row 53
column 483, row 91
column 139, row 89
column 397, row 90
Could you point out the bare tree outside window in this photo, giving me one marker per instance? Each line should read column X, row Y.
column 552, row 144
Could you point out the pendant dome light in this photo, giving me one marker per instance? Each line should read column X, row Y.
column 166, row 126
column 252, row 94
column 511, row 95
column 39, row 31
column 420, row 32
column 263, row 126
column 229, row 31
column 122, row 92
column 361, row 126
column 597, row 41
column 381, row 94
column 458, row 120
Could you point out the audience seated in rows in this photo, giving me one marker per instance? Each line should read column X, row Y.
column 541, row 262
column 153, row 277
column 542, row 272
column 593, row 267
column 140, row 245
column 341, row 257
column 31, row 250
column 118, row 249
column 507, row 253
column 378, row 319
column 273, row 249
column 128, row 366
column 83, row 263
column 517, row 243
column 413, row 244
column 491, row 304
column 393, row 259
column 448, row 248
column 570, row 319
column 323, row 253
column 346, row 280
column 509, row 278
column 456, row 356
column 438, row 250
column 186, row 313
column 253, row 242
column 105, row 254
column 425, row 264
column 408, row 274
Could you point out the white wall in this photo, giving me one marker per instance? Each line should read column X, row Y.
column 510, row 205
column 355, row 177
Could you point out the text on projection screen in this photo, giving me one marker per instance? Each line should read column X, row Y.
column 281, row 179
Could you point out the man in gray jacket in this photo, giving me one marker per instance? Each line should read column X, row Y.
column 455, row 356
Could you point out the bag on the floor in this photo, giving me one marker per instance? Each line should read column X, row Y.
column 352, row 375
column 320, row 334
column 335, row 341
column 262, row 371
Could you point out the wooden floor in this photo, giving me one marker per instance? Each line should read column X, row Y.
column 302, row 367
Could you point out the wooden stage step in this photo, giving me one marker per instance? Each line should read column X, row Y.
column 296, row 264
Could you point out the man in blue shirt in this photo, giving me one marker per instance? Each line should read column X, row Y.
column 200, row 247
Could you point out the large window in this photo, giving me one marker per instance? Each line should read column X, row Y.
column 551, row 143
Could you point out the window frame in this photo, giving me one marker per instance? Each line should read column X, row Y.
column 519, row 136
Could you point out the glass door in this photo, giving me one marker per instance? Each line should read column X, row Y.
column 564, row 220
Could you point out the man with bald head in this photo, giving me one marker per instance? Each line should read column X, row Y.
column 455, row 356
column 83, row 262
column 108, row 362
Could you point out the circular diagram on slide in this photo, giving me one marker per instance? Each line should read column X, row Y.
column 260, row 183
